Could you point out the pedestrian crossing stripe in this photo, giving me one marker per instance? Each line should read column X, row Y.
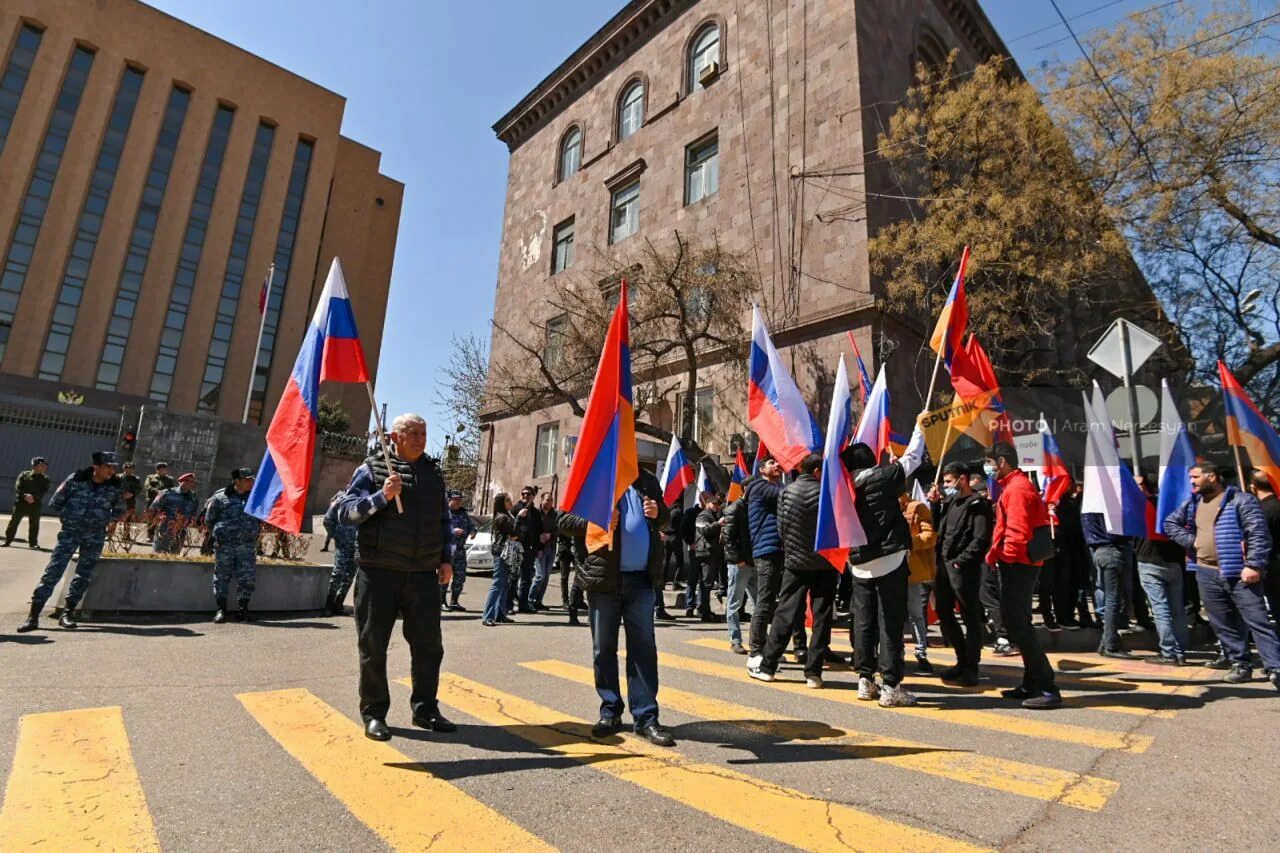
column 784, row 814
column 408, row 810
column 1005, row 723
column 74, row 786
column 1135, row 700
column 1014, row 777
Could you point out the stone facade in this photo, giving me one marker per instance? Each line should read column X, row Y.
column 798, row 101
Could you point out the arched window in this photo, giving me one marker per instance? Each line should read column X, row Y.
column 932, row 54
column 704, row 54
column 631, row 110
column 571, row 153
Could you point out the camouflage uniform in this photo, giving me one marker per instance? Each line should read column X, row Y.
column 345, row 552
column 133, row 486
column 235, row 545
column 175, row 510
column 459, row 519
column 86, row 508
column 28, row 483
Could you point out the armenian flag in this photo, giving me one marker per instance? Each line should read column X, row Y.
column 948, row 335
column 775, row 409
column 738, row 477
column 1247, row 428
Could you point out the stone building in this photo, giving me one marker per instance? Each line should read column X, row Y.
column 748, row 123
column 151, row 176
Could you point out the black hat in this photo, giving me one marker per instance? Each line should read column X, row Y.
column 38, row 460
column 104, row 457
column 243, row 474
column 454, row 494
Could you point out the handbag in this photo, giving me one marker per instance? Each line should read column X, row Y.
column 1042, row 546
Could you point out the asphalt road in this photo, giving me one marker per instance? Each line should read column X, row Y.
column 198, row 737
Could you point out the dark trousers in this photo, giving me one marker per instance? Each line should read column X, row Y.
column 1271, row 589
column 674, row 548
column 630, row 608
column 381, row 596
column 709, row 575
column 989, row 595
column 793, row 597
column 565, row 563
column 768, row 585
column 1017, row 587
column 1057, row 600
column 454, row 587
column 1112, row 563
column 31, row 512
column 961, row 586
column 879, row 614
column 1236, row 610
column 523, row 583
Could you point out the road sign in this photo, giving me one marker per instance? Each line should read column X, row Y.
column 1108, row 352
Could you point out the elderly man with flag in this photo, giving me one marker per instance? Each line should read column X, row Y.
column 615, row 513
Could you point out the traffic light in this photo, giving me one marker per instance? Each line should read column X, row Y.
column 130, row 440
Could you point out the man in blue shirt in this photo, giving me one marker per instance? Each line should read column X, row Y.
column 622, row 583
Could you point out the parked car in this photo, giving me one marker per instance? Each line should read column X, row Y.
column 479, row 557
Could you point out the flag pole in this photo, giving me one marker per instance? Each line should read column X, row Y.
column 1239, row 466
column 382, row 436
column 937, row 474
column 262, row 325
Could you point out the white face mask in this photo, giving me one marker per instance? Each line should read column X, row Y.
column 950, row 491
column 989, row 470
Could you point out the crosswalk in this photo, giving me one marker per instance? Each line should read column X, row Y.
column 74, row 784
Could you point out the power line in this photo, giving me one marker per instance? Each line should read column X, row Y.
column 1106, row 25
column 1025, row 36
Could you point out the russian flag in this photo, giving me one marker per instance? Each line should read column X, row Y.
column 864, row 381
column 873, row 427
column 1109, row 487
column 704, row 483
column 677, row 474
column 738, row 477
column 331, row 352
column 605, row 462
column 948, row 335
column 775, row 409
column 1177, row 458
column 1247, row 428
column 1057, row 477
column 838, row 526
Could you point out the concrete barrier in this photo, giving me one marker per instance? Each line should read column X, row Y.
column 186, row 586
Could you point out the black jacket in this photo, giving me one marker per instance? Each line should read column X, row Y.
column 737, row 533
column 599, row 571
column 1271, row 512
column 798, row 526
column 709, row 543
column 876, row 497
column 416, row 540
column 964, row 535
column 529, row 528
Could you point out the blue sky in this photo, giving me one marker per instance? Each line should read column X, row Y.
column 424, row 82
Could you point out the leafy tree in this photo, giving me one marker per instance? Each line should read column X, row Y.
column 331, row 416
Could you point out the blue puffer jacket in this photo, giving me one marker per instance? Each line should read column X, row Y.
column 762, row 518
column 1241, row 535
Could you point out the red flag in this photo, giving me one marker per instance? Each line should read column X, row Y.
column 971, row 372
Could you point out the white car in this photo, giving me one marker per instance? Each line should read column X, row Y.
column 479, row 557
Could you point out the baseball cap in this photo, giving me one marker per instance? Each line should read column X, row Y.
column 243, row 474
column 104, row 457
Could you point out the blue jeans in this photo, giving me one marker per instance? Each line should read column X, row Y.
column 1237, row 609
column 1112, row 562
column 542, row 573
column 630, row 608
column 741, row 583
column 495, row 604
column 1163, row 585
column 918, row 615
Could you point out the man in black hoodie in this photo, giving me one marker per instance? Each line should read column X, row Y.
column 964, row 535
column 805, row 573
column 529, row 532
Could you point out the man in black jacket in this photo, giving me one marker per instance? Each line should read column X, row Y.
column 529, row 532
column 1264, row 491
column 742, row 572
column 964, row 535
column 804, row 573
column 708, row 552
column 404, row 557
column 621, row 582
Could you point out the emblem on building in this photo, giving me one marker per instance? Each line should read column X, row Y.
column 70, row 398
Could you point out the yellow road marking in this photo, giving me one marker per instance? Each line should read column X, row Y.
column 1116, row 704
column 74, row 786
column 1014, row 777
column 1004, row 723
column 407, row 807
column 784, row 814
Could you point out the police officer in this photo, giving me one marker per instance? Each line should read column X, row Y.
column 175, row 510
column 344, row 557
column 235, row 543
column 86, row 502
column 463, row 529
column 130, row 483
column 28, row 492
column 157, row 483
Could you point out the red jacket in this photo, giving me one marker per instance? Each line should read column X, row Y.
column 1019, row 511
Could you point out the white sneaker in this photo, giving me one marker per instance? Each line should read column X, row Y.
column 868, row 689
column 759, row 674
column 813, row 682
column 896, row 697
column 754, row 661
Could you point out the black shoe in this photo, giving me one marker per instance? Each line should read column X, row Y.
column 689, row 614
column 1165, row 660
column 377, row 730
column 657, row 735
column 526, row 610
column 488, row 623
column 1018, row 692
column 506, row 619
column 661, row 613
column 677, row 587
column 244, row 614
column 67, row 620
column 1123, row 654
column 1043, row 702
column 951, row 672
column 456, row 607
column 737, row 649
column 1052, row 626
column 33, row 620
column 438, row 723
column 606, row 727
column 1220, row 662
column 836, row 658
column 801, row 656
column 923, row 666
column 573, row 619
column 1070, row 624
column 711, row 617
column 1239, row 674
column 964, row 678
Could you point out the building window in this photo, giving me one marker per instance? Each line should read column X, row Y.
column 544, row 452
column 562, row 248
column 553, row 351
column 143, row 235
column 703, row 414
column 704, row 57
column 285, row 242
column 233, row 278
column 571, row 153
column 624, row 218
column 631, row 110
column 701, row 170
column 184, row 279
column 15, row 76
column 31, row 214
column 89, row 227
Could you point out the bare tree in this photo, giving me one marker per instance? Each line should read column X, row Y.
column 460, row 392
